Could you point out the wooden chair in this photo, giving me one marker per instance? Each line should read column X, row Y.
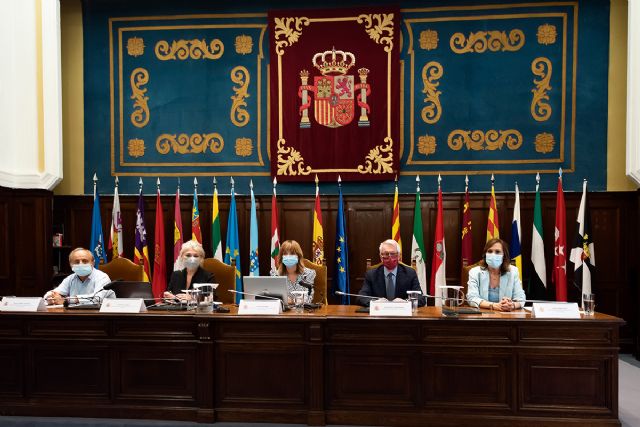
column 464, row 277
column 123, row 269
column 225, row 276
column 320, row 284
column 371, row 267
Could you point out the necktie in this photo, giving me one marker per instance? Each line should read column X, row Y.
column 391, row 292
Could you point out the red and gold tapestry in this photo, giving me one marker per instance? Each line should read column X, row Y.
column 334, row 95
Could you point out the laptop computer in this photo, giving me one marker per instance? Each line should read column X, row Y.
column 273, row 286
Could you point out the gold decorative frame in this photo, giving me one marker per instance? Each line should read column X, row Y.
column 288, row 31
column 503, row 16
column 118, row 50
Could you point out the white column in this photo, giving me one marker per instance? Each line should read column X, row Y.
column 633, row 92
column 30, row 95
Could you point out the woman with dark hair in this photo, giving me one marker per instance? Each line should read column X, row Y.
column 495, row 283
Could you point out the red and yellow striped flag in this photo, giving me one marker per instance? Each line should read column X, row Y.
column 395, row 221
column 318, row 235
column 492, row 223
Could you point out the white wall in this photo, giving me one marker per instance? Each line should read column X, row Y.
column 633, row 92
column 30, row 94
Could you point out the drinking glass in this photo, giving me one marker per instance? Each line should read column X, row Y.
column 451, row 298
column 298, row 301
column 414, row 298
column 588, row 304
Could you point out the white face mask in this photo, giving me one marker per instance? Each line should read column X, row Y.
column 82, row 270
column 191, row 262
column 494, row 260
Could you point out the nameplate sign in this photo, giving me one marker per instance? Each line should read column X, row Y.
column 543, row 310
column 123, row 305
column 386, row 308
column 32, row 304
column 262, row 306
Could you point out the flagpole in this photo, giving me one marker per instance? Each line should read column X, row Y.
column 140, row 186
column 95, row 185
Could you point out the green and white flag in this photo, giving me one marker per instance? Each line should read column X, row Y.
column 417, row 244
column 538, row 280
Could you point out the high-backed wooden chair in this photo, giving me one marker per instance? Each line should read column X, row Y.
column 320, row 284
column 122, row 269
column 370, row 267
column 225, row 277
column 464, row 277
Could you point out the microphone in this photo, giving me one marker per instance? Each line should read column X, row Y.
column 355, row 295
column 111, row 284
column 309, row 286
column 285, row 307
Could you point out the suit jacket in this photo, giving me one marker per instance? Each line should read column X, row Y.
column 375, row 284
column 478, row 285
column 178, row 280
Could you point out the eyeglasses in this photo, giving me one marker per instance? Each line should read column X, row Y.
column 388, row 254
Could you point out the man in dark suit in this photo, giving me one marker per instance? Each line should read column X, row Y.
column 391, row 280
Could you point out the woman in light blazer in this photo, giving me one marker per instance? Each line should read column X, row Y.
column 495, row 283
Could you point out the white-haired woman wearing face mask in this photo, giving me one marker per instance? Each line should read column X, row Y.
column 495, row 283
column 191, row 257
column 292, row 266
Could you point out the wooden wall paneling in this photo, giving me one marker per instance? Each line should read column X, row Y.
column 368, row 224
column 26, row 266
column 12, row 360
column 7, row 282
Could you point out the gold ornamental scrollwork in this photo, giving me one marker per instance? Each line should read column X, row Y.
column 431, row 73
column 244, row 44
column 135, row 147
column 429, row 39
column 290, row 161
column 427, row 144
column 135, row 46
column 190, row 144
column 239, row 115
column 140, row 114
column 494, row 40
column 478, row 140
column 285, row 35
column 544, row 142
column 381, row 31
column 547, row 34
column 189, row 49
column 540, row 109
column 382, row 156
column 244, row 147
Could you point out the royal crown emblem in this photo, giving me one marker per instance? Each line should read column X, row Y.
column 334, row 91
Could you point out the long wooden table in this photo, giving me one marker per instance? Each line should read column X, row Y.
column 332, row 366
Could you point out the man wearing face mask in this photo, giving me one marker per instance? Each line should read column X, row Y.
column 392, row 279
column 495, row 283
column 191, row 259
column 84, row 285
column 290, row 264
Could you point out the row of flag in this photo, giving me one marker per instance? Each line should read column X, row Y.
column 232, row 248
column 582, row 254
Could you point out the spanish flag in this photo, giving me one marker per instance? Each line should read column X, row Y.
column 395, row 221
column 492, row 223
column 318, row 236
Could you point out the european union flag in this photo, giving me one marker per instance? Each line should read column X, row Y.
column 97, row 239
column 341, row 282
column 233, row 244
